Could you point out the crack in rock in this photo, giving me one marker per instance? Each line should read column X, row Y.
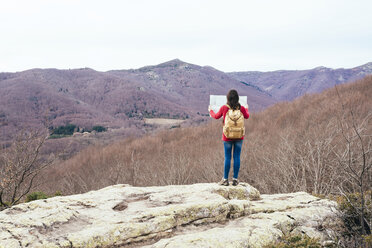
column 290, row 217
column 120, row 206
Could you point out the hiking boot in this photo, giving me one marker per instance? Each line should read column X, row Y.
column 235, row 182
column 224, row 182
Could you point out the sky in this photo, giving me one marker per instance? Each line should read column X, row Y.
column 230, row 35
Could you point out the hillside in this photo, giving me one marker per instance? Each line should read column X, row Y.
column 298, row 142
column 190, row 85
column 285, row 85
column 121, row 100
column 114, row 99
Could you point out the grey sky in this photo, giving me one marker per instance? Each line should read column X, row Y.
column 229, row 35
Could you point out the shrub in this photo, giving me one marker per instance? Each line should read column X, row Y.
column 36, row 196
column 4, row 205
column 290, row 241
column 64, row 130
column 350, row 206
column 58, row 193
column 41, row 195
column 368, row 240
column 99, row 129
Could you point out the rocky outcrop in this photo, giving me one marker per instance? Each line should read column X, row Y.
column 199, row 215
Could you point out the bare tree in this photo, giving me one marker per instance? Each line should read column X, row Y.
column 355, row 159
column 20, row 164
column 116, row 171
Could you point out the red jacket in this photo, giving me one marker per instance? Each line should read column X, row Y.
column 222, row 112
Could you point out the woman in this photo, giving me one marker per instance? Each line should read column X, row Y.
column 229, row 144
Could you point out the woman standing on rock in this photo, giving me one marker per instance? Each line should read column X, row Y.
column 233, row 133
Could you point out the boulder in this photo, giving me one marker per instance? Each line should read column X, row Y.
column 198, row 215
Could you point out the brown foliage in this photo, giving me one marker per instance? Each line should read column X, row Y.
column 290, row 146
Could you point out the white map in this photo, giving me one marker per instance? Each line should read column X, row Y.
column 216, row 101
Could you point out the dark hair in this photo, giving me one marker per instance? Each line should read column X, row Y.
column 233, row 99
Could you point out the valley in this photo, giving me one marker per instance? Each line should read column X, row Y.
column 129, row 102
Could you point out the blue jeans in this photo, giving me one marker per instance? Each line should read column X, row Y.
column 228, row 145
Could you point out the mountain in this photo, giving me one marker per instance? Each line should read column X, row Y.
column 121, row 99
column 286, row 85
column 115, row 99
column 188, row 86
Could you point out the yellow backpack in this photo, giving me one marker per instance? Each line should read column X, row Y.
column 234, row 124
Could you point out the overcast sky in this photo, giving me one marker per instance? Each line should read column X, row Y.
column 229, row 35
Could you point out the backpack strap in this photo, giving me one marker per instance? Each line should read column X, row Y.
column 223, row 121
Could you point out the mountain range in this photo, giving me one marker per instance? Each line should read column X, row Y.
column 123, row 98
column 114, row 99
column 286, row 85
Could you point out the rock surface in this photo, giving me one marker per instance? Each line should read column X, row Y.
column 198, row 215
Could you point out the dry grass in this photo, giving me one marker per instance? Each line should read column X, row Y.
column 290, row 146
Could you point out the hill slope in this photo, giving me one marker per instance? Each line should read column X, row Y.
column 85, row 97
column 283, row 140
column 287, row 85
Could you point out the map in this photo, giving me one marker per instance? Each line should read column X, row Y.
column 216, row 101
